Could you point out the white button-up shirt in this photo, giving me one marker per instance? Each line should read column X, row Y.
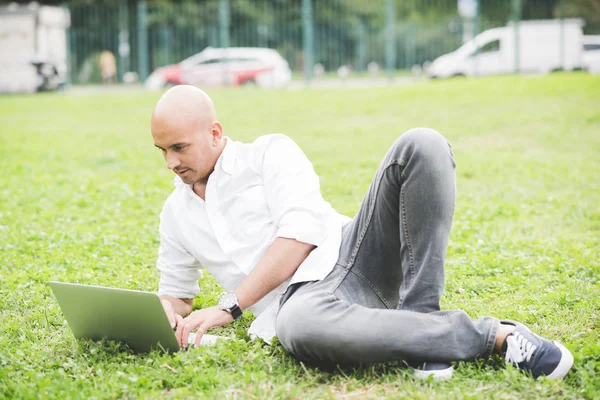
column 257, row 192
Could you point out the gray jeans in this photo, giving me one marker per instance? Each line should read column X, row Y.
column 381, row 301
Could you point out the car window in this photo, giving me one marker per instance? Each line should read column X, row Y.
column 490, row 47
column 242, row 59
column 591, row 47
column 210, row 61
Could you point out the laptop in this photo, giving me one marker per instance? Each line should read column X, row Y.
column 134, row 317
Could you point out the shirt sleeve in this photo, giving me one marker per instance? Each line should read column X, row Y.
column 293, row 192
column 179, row 270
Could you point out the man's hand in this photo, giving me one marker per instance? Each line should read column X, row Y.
column 202, row 320
column 174, row 318
column 175, row 308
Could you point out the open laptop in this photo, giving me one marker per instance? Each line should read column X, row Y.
column 134, row 317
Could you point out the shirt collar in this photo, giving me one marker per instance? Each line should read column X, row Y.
column 228, row 156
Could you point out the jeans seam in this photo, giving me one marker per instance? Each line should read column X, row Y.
column 377, row 292
column 370, row 215
column 339, row 280
column 411, row 260
column 364, row 232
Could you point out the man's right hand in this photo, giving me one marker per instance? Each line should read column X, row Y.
column 174, row 318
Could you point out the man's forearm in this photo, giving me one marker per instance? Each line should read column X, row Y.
column 280, row 262
column 181, row 306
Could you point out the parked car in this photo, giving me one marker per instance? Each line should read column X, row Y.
column 493, row 51
column 232, row 66
column 591, row 53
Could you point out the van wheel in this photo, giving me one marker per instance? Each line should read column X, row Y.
column 459, row 75
column 249, row 83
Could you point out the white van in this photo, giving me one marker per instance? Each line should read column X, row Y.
column 591, row 53
column 493, row 52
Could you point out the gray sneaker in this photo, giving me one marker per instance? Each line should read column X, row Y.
column 438, row 371
column 534, row 354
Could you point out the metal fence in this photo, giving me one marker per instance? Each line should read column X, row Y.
column 394, row 34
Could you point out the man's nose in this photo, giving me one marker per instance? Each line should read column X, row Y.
column 172, row 160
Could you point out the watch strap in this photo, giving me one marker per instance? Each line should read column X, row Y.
column 236, row 312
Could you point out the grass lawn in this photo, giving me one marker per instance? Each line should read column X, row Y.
column 81, row 188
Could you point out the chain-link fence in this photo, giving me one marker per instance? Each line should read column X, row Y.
column 391, row 35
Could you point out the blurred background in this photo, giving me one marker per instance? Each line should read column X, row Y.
column 275, row 43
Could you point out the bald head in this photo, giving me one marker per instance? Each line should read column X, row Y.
column 185, row 127
column 185, row 103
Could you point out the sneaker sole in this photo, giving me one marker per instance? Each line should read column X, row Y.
column 438, row 374
column 565, row 364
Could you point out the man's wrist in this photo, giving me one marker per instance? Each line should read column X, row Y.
column 229, row 302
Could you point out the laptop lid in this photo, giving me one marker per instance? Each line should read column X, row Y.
column 134, row 317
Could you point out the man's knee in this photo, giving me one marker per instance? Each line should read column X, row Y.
column 308, row 328
column 425, row 142
column 295, row 327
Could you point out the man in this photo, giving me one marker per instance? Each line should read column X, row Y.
column 108, row 67
column 333, row 290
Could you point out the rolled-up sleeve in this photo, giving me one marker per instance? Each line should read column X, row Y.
column 179, row 270
column 293, row 192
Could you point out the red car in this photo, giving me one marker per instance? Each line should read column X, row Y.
column 232, row 66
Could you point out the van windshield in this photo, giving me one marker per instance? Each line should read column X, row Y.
column 487, row 40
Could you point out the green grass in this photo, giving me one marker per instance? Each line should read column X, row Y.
column 81, row 188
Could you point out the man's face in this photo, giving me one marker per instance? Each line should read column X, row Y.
column 188, row 148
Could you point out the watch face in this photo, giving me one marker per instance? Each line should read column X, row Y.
column 228, row 301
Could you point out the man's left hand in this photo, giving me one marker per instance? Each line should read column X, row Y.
column 201, row 321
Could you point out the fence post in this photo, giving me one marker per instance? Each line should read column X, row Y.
column 360, row 45
column 561, row 15
column 142, row 42
column 69, row 37
column 517, row 9
column 410, row 48
column 165, row 34
column 72, row 57
column 213, row 36
column 263, row 33
column 224, row 20
column 390, row 38
column 124, row 48
column 476, row 20
column 307, row 39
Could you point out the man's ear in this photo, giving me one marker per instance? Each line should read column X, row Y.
column 217, row 132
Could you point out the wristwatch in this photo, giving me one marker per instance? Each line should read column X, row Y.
column 229, row 302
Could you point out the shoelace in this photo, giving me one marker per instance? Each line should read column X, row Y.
column 518, row 349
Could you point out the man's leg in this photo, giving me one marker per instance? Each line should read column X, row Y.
column 398, row 240
column 374, row 306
